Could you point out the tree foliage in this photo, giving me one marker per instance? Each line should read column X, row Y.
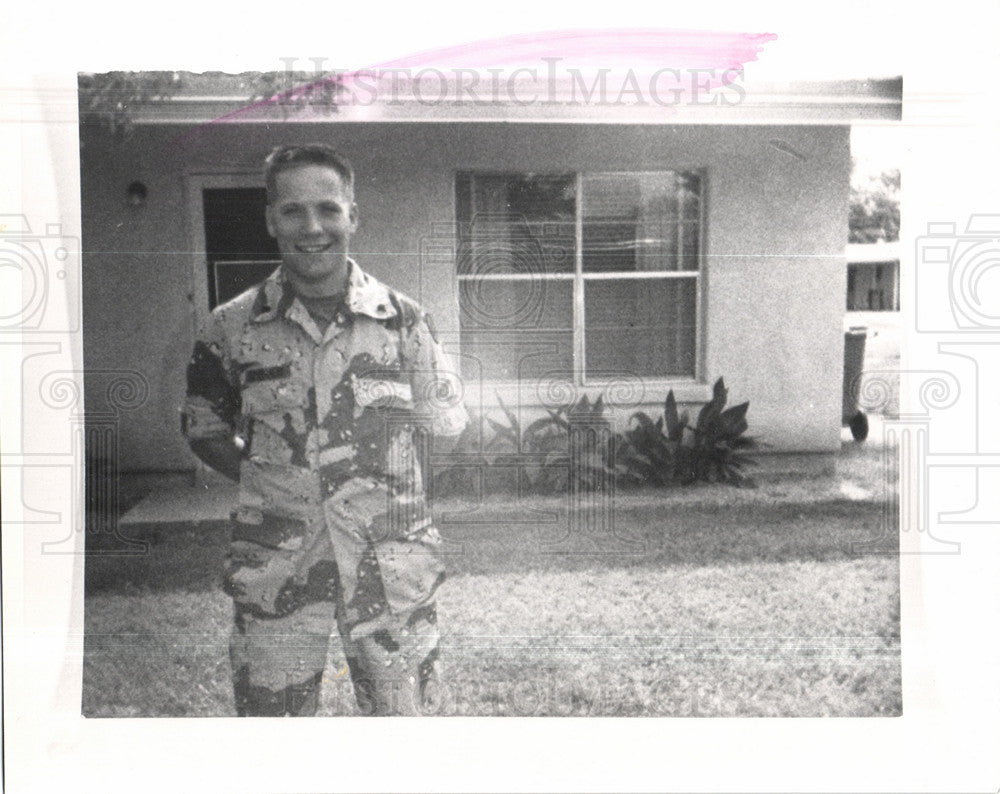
column 298, row 92
column 110, row 99
column 874, row 207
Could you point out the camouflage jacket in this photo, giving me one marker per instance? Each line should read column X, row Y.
column 332, row 424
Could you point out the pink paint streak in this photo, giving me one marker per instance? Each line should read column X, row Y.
column 624, row 48
column 643, row 51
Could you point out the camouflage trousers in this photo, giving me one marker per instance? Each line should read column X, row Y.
column 279, row 651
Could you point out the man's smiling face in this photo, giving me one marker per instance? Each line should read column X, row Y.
column 312, row 216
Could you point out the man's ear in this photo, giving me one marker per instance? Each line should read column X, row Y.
column 267, row 219
column 353, row 215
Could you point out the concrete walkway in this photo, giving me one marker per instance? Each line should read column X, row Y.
column 859, row 472
column 210, row 501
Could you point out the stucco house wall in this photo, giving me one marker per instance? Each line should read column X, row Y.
column 773, row 284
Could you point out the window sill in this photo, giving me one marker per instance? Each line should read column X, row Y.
column 626, row 393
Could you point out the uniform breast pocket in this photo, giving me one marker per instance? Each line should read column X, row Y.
column 268, row 390
column 278, row 415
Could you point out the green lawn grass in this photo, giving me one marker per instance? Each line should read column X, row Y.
column 749, row 609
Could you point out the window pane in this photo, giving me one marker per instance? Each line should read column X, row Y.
column 641, row 222
column 641, row 326
column 515, row 223
column 512, row 330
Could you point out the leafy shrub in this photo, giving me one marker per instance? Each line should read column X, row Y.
column 573, row 448
column 570, row 448
column 463, row 473
column 547, row 439
column 671, row 450
column 647, row 453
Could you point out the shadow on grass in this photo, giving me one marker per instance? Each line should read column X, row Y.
column 183, row 557
column 187, row 557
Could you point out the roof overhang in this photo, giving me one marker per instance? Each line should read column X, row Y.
column 664, row 96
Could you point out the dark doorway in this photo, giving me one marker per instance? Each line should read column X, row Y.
column 239, row 250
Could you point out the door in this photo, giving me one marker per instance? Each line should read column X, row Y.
column 231, row 249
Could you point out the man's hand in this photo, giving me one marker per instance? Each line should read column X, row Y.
column 221, row 454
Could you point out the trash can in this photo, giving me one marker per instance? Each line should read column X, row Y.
column 854, row 359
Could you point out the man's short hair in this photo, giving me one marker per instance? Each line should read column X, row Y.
column 285, row 158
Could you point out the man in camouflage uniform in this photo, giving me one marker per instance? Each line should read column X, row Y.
column 315, row 390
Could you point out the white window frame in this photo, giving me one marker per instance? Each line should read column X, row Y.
column 688, row 388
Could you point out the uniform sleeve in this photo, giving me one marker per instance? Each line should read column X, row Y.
column 438, row 392
column 212, row 406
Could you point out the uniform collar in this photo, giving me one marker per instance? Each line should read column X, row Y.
column 365, row 295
